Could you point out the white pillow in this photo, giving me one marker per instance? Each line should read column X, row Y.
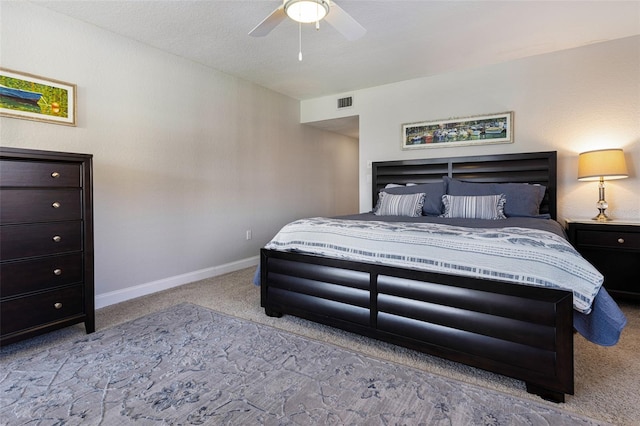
column 474, row 207
column 399, row 204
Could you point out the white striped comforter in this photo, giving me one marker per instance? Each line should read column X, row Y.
column 512, row 254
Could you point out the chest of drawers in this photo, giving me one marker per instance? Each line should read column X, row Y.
column 46, row 242
column 614, row 249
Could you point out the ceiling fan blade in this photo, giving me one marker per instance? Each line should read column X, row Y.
column 269, row 23
column 344, row 23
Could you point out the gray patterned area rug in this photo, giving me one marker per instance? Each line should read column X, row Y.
column 188, row 365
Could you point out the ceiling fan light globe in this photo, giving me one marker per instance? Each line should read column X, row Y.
column 306, row 11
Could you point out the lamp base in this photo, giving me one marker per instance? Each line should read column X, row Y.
column 602, row 217
column 602, row 204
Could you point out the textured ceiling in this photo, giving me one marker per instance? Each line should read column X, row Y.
column 404, row 39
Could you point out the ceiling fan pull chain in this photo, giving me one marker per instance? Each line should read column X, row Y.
column 300, row 41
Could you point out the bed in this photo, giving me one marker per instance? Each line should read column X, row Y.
column 521, row 331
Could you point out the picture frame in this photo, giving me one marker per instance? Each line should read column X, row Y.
column 32, row 97
column 465, row 131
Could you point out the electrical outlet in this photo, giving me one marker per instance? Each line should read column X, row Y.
column 248, row 234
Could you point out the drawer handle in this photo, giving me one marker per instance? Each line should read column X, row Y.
column 57, row 238
column 57, row 271
column 55, row 175
column 621, row 240
column 57, row 305
column 56, row 205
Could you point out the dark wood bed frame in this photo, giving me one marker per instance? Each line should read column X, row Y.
column 520, row 331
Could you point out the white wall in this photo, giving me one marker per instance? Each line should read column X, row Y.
column 186, row 159
column 570, row 101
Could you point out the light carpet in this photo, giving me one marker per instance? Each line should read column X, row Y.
column 190, row 365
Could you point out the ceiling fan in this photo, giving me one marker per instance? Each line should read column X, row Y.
column 308, row 11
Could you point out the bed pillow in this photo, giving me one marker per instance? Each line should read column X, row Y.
column 474, row 207
column 433, row 196
column 523, row 199
column 399, row 205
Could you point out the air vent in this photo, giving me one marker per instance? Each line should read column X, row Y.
column 345, row 102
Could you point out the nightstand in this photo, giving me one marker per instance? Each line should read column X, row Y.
column 614, row 249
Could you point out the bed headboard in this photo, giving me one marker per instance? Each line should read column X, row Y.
column 532, row 167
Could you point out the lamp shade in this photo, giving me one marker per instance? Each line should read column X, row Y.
column 606, row 163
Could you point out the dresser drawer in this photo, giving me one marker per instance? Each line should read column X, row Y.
column 39, row 239
column 40, row 205
column 28, row 276
column 608, row 239
column 40, row 309
column 36, row 173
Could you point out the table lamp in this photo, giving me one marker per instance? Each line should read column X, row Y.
column 599, row 165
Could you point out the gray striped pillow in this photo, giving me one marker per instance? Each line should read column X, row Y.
column 474, row 207
column 400, row 205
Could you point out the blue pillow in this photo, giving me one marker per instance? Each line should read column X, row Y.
column 523, row 199
column 433, row 199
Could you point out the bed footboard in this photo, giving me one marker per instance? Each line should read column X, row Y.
column 519, row 331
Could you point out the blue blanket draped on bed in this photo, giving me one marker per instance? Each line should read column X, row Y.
column 602, row 326
column 605, row 322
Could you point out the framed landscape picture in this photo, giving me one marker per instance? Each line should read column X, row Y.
column 476, row 130
column 37, row 98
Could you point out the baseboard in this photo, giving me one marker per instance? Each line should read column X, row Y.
column 118, row 296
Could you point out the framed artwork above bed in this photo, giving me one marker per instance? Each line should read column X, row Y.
column 475, row 130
